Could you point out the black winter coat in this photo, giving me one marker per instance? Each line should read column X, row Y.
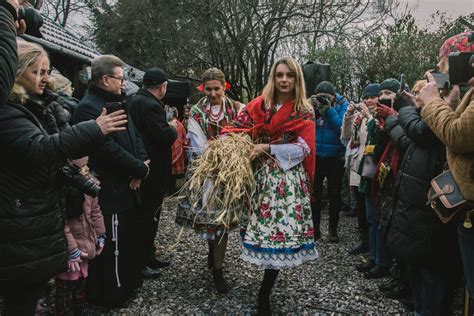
column 415, row 233
column 149, row 116
column 119, row 160
column 32, row 241
column 8, row 56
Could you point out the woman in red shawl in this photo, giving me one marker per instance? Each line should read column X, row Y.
column 279, row 233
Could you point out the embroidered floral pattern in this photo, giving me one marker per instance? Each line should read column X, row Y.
column 279, row 231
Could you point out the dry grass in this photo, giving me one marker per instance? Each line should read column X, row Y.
column 222, row 178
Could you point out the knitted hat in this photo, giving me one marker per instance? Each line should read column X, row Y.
column 463, row 42
column 325, row 87
column 390, row 84
column 371, row 90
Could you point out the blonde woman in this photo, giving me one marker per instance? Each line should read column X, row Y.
column 280, row 231
column 32, row 241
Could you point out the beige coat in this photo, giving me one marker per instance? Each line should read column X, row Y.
column 353, row 156
column 456, row 130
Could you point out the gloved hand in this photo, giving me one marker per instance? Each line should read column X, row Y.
column 100, row 244
column 75, row 257
column 384, row 111
column 403, row 100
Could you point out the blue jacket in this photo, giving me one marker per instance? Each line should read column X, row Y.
column 328, row 130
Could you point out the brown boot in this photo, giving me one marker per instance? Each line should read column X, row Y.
column 220, row 283
column 333, row 236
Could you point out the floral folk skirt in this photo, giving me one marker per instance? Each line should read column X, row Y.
column 279, row 231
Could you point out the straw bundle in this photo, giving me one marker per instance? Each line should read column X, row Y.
column 222, row 178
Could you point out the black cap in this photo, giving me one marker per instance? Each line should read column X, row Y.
column 154, row 76
column 325, row 87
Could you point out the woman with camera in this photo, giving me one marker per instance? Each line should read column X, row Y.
column 32, row 240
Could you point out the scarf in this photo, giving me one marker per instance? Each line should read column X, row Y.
column 275, row 126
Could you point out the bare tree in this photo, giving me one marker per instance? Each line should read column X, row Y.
column 61, row 10
column 242, row 37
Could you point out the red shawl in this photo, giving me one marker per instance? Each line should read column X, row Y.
column 253, row 119
column 394, row 164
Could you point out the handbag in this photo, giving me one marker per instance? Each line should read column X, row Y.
column 446, row 200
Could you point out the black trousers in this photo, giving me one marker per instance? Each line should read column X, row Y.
column 331, row 168
column 149, row 220
column 21, row 299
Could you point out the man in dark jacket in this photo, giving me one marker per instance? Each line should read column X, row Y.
column 120, row 164
column 148, row 114
column 330, row 109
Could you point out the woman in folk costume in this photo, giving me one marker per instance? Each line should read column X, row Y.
column 208, row 117
column 279, row 233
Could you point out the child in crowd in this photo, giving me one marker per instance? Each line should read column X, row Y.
column 85, row 232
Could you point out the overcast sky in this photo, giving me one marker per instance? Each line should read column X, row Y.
column 453, row 8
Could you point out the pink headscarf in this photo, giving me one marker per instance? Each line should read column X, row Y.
column 463, row 42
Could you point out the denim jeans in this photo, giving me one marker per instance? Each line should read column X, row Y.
column 432, row 289
column 377, row 252
column 466, row 245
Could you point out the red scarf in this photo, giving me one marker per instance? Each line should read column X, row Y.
column 252, row 120
column 394, row 164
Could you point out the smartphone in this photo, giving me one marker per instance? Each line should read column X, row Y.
column 402, row 83
column 442, row 80
column 356, row 106
column 113, row 106
column 387, row 102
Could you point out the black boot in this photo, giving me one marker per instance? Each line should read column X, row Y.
column 264, row 308
column 390, row 284
column 363, row 247
column 333, row 236
column 365, row 267
column 210, row 258
column 220, row 283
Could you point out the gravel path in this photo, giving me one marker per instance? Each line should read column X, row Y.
column 327, row 285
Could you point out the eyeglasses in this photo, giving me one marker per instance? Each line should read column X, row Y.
column 118, row 78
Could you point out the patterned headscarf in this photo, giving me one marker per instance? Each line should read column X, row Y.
column 463, row 42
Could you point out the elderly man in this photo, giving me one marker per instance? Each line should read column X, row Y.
column 120, row 164
column 149, row 115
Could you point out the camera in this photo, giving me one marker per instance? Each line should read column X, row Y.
column 461, row 70
column 73, row 178
column 33, row 20
column 322, row 100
